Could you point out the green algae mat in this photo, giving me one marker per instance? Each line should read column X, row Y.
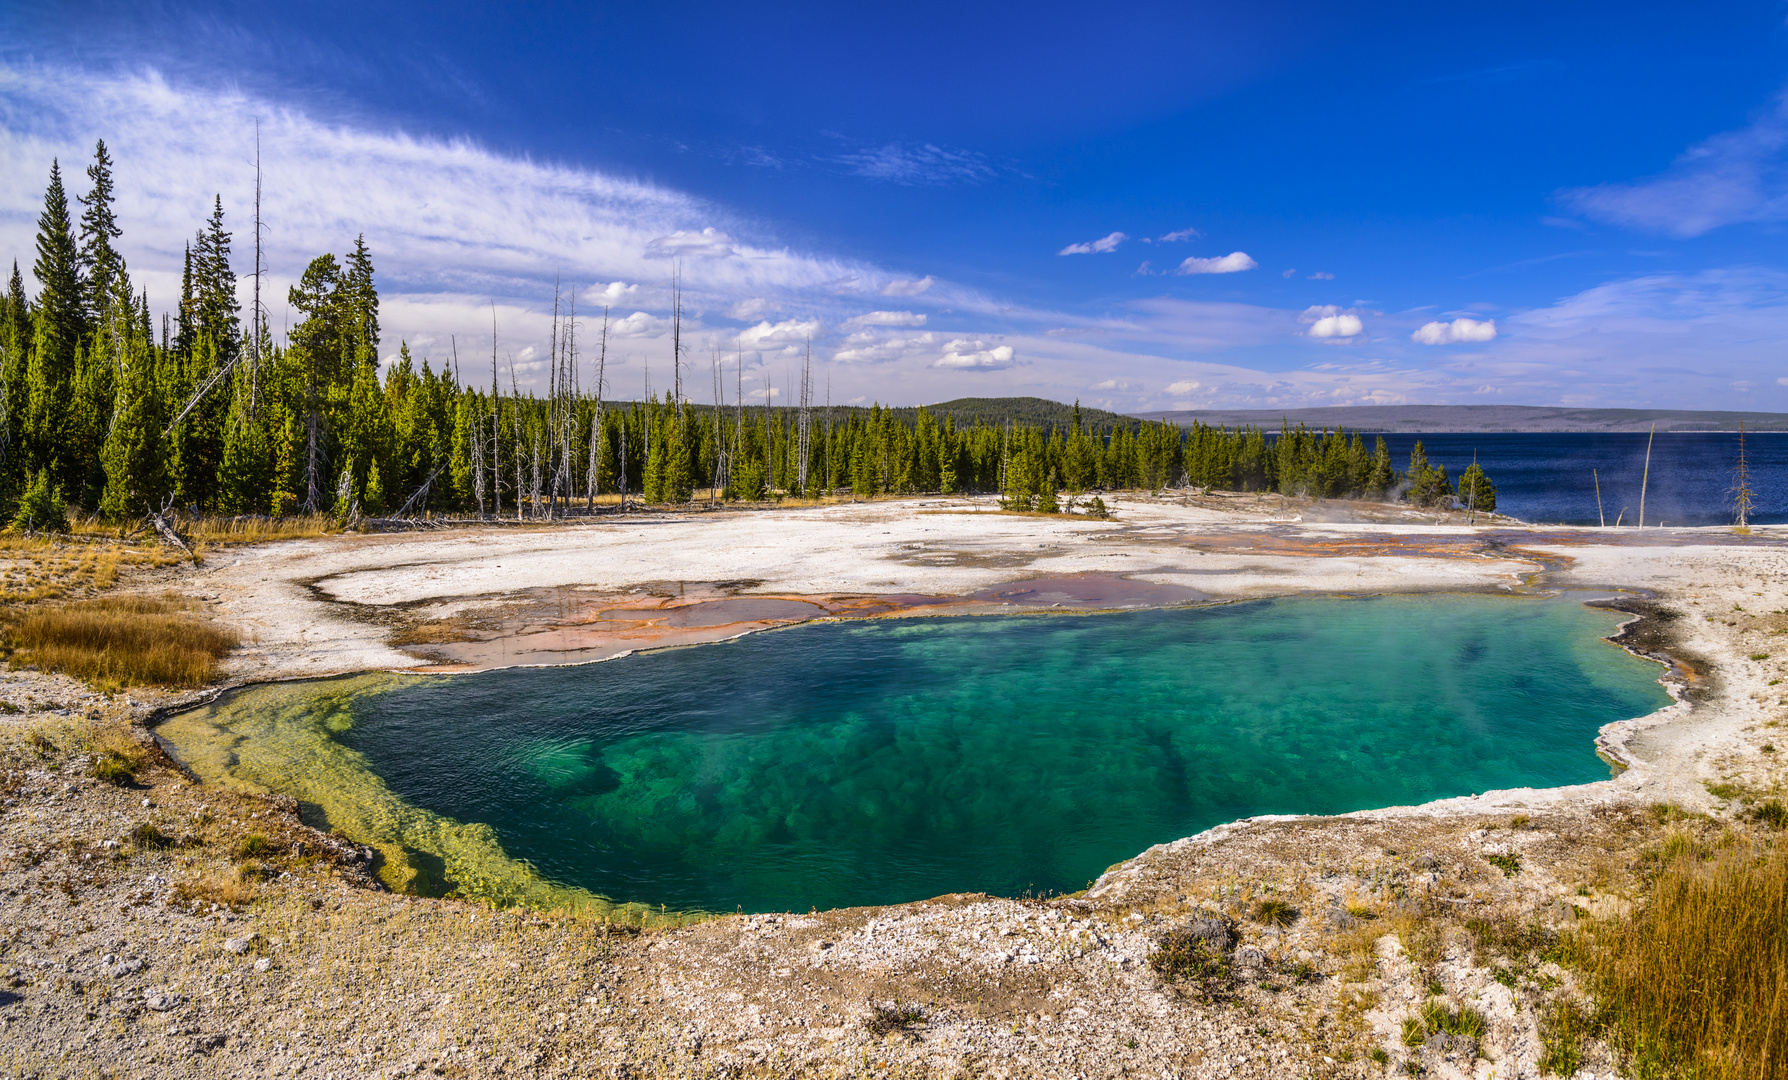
column 836, row 764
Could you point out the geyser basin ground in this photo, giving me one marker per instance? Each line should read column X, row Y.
column 875, row 762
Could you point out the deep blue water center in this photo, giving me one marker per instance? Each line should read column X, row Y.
column 1551, row 477
column 875, row 762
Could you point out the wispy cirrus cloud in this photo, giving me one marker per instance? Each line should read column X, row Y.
column 899, row 163
column 1731, row 178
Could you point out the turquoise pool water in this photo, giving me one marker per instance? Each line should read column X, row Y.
column 875, row 762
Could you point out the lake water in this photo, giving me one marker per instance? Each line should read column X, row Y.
column 1547, row 476
column 875, row 762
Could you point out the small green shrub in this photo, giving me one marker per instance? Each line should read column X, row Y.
column 254, row 870
column 253, row 846
column 1723, row 790
column 147, row 835
column 1303, row 973
column 1772, row 813
column 41, row 507
column 1760, row 656
column 1184, row 957
column 114, row 770
column 1415, row 1032
column 1510, row 865
column 1380, row 1055
column 895, row 1018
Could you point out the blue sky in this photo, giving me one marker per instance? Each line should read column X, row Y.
column 1181, row 205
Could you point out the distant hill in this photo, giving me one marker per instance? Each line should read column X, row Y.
column 1466, row 418
column 1040, row 412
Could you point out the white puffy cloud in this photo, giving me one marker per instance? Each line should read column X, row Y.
column 612, row 293
column 708, row 243
column 1113, row 384
column 886, row 318
column 637, row 325
column 1329, row 321
column 768, row 335
column 1234, row 262
column 1447, row 333
column 867, row 347
column 976, row 355
column 1105, row 243
column 908, row 286
column 1178, row 235
column 1183, row 386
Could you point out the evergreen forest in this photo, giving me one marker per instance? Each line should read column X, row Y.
column 106, row 409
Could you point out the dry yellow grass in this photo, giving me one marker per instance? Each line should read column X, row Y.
column 38, row 568
column 122, row 641
column 1694, row 983
column 254, row 528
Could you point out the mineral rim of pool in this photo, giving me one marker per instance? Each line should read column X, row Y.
column 881, row 761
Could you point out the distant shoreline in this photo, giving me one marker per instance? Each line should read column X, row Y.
column 1482, row 419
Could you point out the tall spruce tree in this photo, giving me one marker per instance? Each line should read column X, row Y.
column 216, row 286
column 359, row 299
column 57, row 330
column 186, row 326
column 60, row 297
column 100, row 261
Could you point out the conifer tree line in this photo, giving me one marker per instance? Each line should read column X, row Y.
column 103, row 409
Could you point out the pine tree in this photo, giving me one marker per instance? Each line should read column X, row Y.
column 215, row 285
column 135, row 457
column 358, row 297
column 60, row 304
column 100, row 261
column 1475, row 489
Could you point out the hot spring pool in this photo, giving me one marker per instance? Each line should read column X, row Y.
column 836, row 764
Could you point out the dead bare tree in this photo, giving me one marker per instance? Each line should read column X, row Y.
column 593, row 483
column 806, row 419
column 496, row 410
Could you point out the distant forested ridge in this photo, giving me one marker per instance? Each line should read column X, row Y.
column 103, row 409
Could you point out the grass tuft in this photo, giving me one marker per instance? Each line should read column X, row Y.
column 253, row 846
column 1275, row 913
column 1564, row 1024
column 123, row 641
